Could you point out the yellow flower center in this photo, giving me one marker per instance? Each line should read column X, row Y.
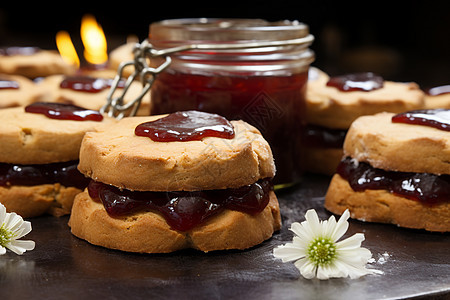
column 5, row 236
column 322, row 251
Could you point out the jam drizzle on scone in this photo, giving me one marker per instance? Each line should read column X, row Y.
column 186, row 126
column 63, row 111
column 362, row 82
column 88, row 84
column 437, row 118
column 183, row 210
column 424, row 187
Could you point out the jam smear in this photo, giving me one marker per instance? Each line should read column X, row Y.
column 8, row 84
column 186, row 126
column 65, row 173
column 424, row 187
column 437, row 118
column 88, row 84
column 363, row 82
column 62, row 111
column 439, row 90
column 182, row 210
column 322, row 137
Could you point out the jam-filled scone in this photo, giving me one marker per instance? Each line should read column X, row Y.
column 169, row 182
column 333, row 103
column 438, row 97
column 17, row 90
column 396, row 170
column 89, row 92
column 33, row 62
column 39, row 156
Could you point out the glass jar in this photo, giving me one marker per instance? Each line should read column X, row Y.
column 261, row 83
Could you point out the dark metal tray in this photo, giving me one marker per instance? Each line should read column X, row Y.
column 65, row 267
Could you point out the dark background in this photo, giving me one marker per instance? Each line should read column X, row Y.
column 403, row 41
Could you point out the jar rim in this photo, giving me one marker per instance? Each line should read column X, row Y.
column 225, row 30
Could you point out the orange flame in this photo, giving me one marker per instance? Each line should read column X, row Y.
column 66, row 48
column 94, row 40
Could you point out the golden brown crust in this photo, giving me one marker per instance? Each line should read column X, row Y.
column 385, row 207
column 41, row 64
column 28, row 138
column 148, row 232
column 321, row 160
column 33, row 201
column 24, row 95
column 54, row 93
column 115, row 155
column 438, row 101
column 398, row 147
column 329, row 107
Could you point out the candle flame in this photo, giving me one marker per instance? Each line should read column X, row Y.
column 94, row 41
column 66, row 48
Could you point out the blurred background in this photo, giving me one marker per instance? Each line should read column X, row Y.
column 408, row 42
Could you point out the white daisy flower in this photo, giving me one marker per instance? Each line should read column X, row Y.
column 317, row 253
column 12, row 228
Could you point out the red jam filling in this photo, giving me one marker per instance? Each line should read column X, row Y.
column 186, row 126
column 11, row 51
column 8, row 84
column 63, row 111
column 424, row 187
column 65, row 173
column 322, row 137
column 88, row 84
column 439, row 90
column 183, row 210
column 363, row 82
column 437, row 118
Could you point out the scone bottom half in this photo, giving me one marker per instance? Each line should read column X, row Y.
column 210, row 193
column 406, row 196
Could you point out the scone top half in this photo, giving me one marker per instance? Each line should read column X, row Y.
column 115, row 155
column 398, row 147
column 32, row 138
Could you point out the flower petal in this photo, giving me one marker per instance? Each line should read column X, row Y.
column 2, row 214
column 306, row 268
column 2, row 250
column 330, row 271
column 351, row 242
column 19, row 247
column 312, row 223
column 341, row 226
column 24, row 229
column 288, row 252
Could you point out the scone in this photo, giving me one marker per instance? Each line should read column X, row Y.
column 169, row 182
column 438, row 97
column 396, row 170
column 33, row 62
column 89, row 92
column 39, row 156
column 333, row 103
column 17, row 90
column 123, row 53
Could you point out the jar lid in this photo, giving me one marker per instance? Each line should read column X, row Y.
column 213, row 30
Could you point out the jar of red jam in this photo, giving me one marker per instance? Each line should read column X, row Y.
column 248, row 69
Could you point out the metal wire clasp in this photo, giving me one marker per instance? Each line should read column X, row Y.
column 115, row 105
